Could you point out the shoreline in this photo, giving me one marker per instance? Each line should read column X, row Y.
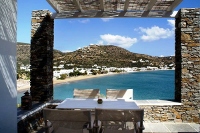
column 25, row 85
column 78, row 78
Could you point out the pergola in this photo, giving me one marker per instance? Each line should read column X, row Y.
column 113, row 8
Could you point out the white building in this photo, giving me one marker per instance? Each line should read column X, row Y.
column 134, row 61
column 112, row 69
column 141, row 60
column 8, row 68
column 152, row 68
column 142, row 69
column 57, row 74
column 61, row 66
column 26, row 68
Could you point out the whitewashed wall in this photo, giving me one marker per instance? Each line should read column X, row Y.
column 8, row 91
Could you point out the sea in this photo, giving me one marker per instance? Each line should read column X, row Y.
column 159, row 84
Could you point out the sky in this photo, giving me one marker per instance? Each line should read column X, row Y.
column 151, row 36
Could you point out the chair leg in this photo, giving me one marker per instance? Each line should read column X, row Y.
column 96, row 127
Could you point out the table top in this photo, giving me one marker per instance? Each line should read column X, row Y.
column 74, row 103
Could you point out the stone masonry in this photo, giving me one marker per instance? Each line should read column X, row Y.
column 42, row 38
column 187, row 73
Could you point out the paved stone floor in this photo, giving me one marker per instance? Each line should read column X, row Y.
column 171, row 127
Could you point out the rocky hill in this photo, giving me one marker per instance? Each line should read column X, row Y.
column 111, row 56
column 102, row 55
column 23, row 53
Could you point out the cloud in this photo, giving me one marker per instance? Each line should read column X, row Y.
column 70, row 21
column 117, row 40
column 84, row 21
column 106, row 19
column 66, row 51
column 100, row 42
column 155, row 33
column 171, row 23
column 79, row 48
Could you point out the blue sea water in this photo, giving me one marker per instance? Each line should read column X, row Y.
column 145, row 85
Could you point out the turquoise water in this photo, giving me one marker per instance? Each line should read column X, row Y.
column 145, row 85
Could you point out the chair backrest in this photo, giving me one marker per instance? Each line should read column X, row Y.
column 67, row 120
column 119, row 119
column 119, row 93
column 86, row 93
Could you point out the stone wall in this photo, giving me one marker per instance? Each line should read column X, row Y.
column 188, row 60
column 187, row 73
column 41, row 61
column 170, row 113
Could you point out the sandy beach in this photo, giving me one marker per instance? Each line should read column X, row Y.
column 23, row 85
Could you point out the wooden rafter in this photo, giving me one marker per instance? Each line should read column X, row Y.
column 78, row 6
column 148, row 8
column 54, row 5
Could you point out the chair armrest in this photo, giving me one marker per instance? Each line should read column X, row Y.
column 48, row 127
column 95, row 126
column 141, row 128
column 138, row 127
column 90, row 130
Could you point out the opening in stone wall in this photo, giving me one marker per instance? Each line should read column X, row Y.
column 130, row 45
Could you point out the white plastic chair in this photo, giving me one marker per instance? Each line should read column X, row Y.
column 86, row 93
column 119, row 93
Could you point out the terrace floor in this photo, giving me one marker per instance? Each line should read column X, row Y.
column 162, row 128
column 159, row 127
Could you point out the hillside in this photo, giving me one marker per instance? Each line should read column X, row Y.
column 23, row 53
column 102, row 55
column 111, row 56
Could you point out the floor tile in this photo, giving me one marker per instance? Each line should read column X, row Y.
column 179, row 127
column 147, row 128
column 159, row 128
column 195, row 126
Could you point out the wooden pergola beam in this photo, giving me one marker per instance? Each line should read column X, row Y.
column 54, row 5
column 78, row 6
column 148, row 8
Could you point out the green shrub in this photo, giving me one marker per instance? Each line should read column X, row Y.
column 63, row 76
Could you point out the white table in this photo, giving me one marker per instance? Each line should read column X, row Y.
column 73, row 103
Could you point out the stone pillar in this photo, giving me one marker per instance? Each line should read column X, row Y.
column 187, row 74
column 178, row 57
column 42, row 39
